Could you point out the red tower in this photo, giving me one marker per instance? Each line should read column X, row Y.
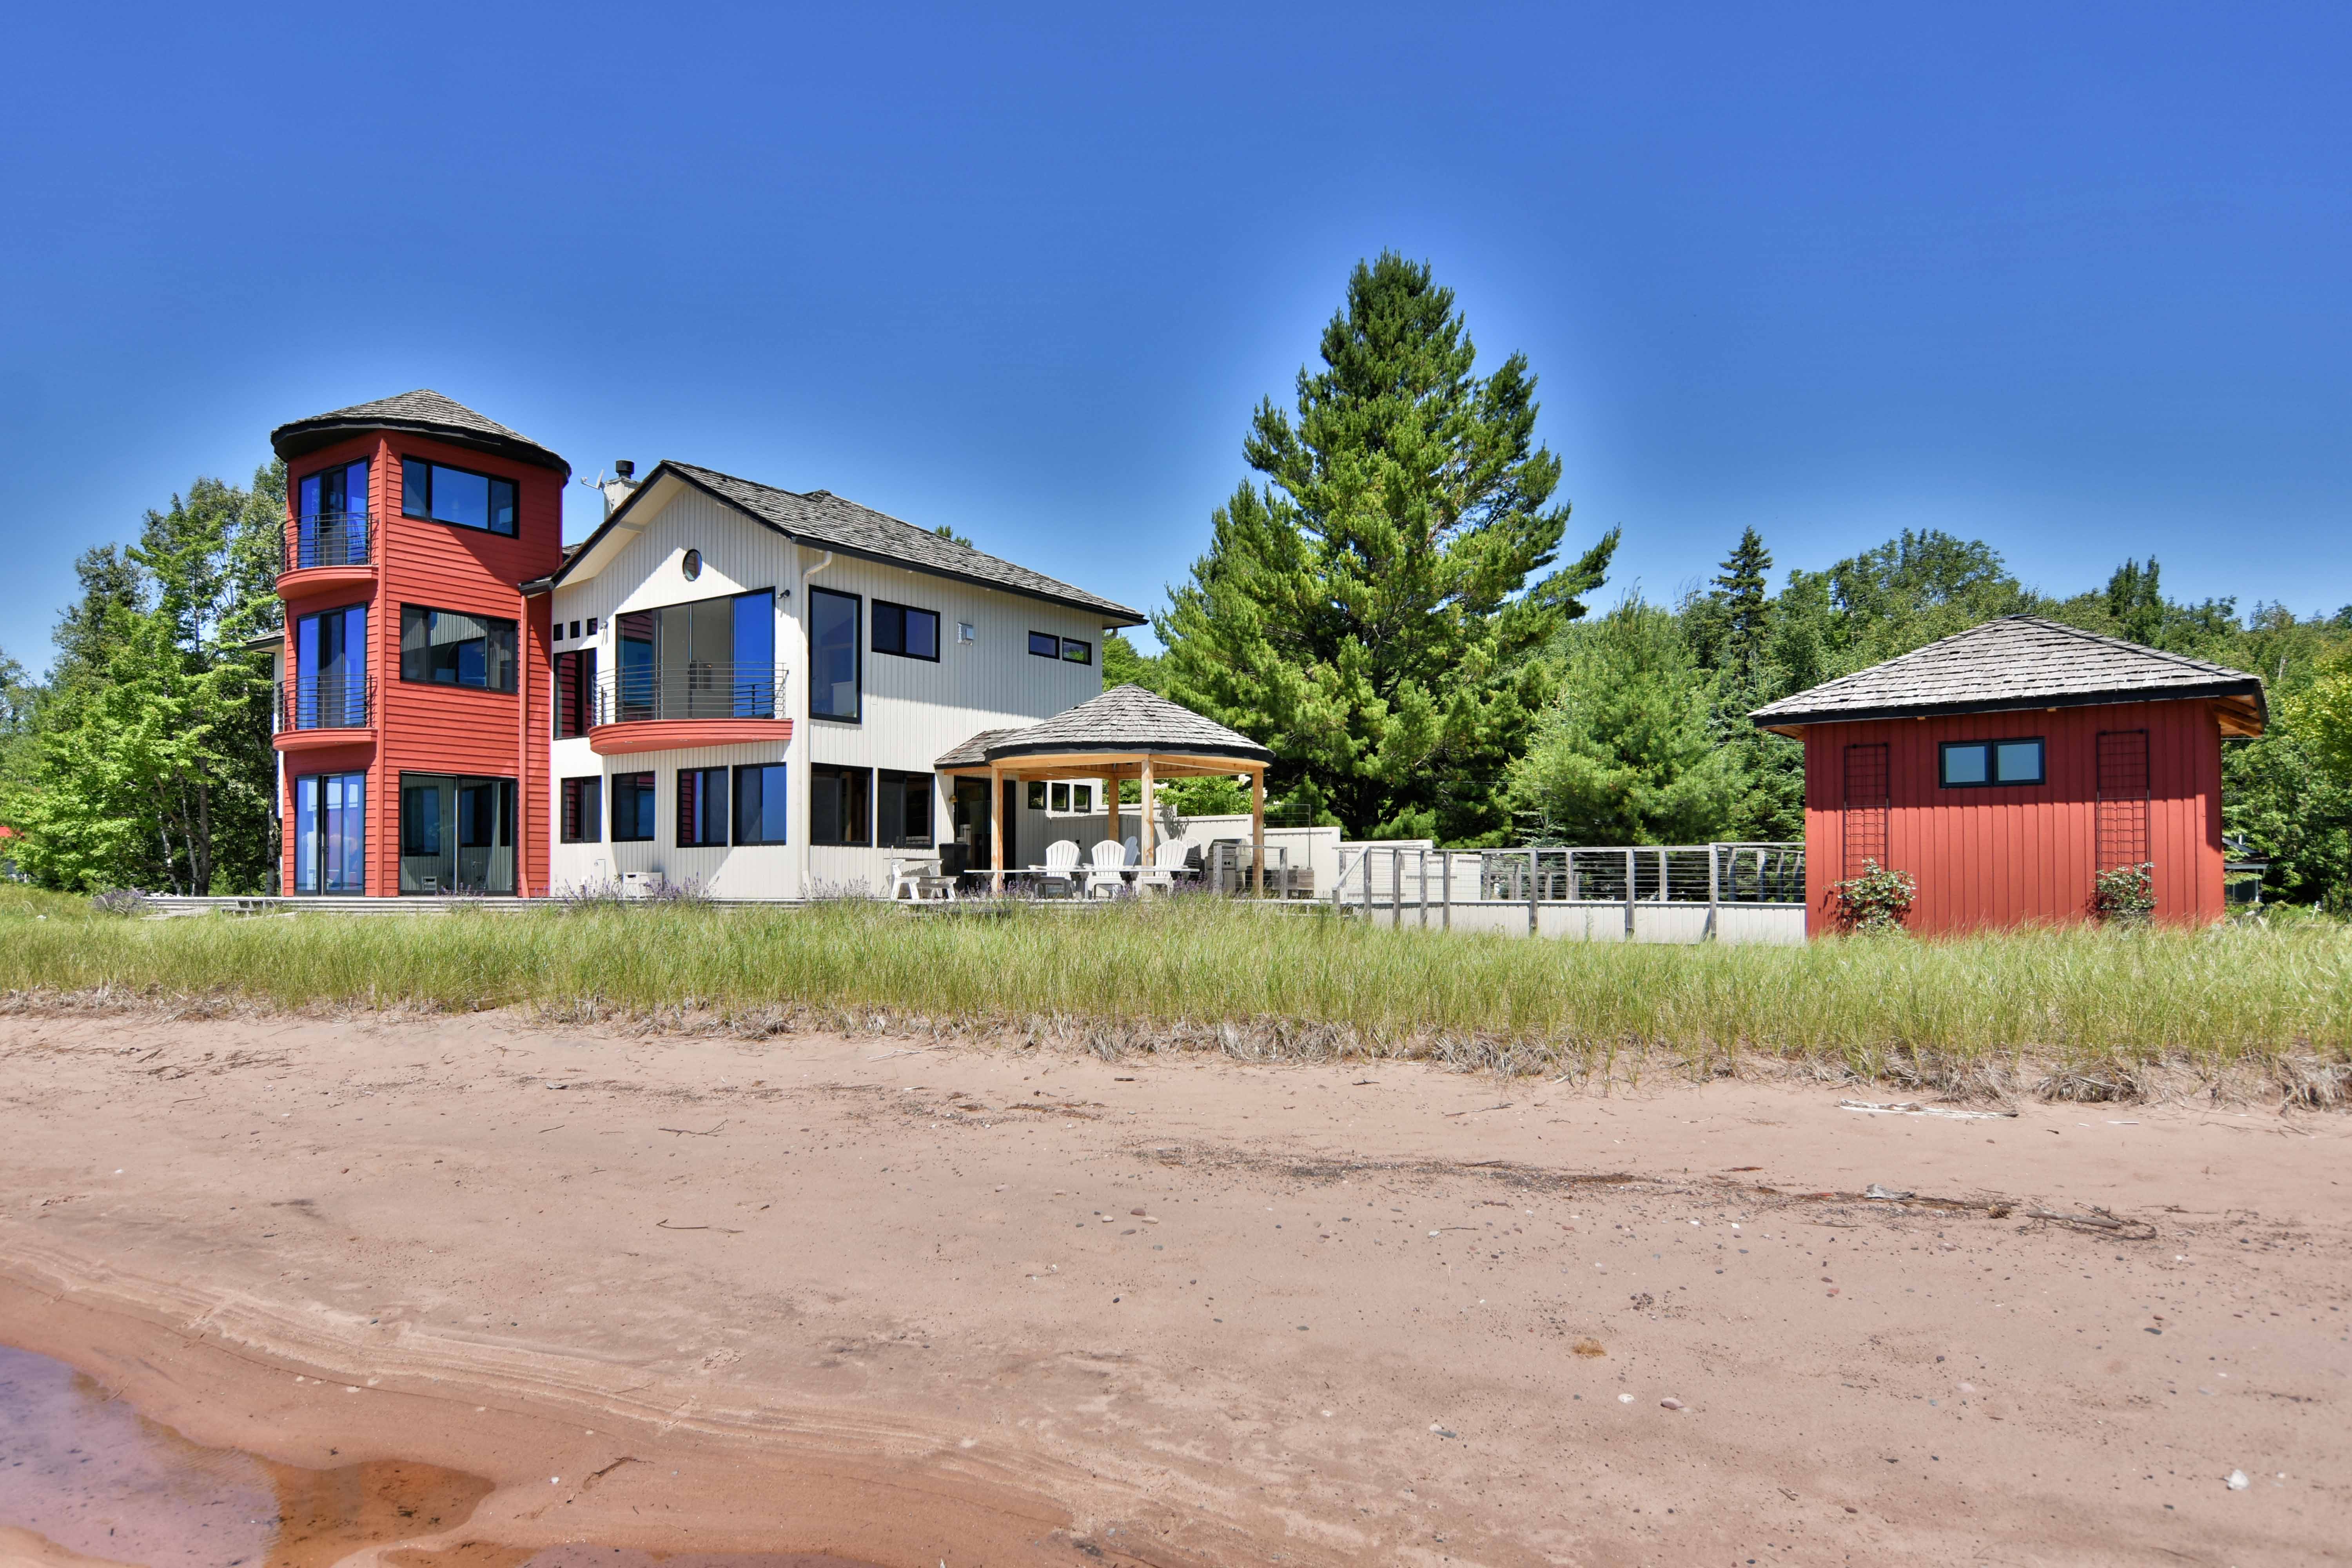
column 412, row 717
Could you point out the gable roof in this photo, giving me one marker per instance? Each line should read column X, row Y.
column 829, row 523
column 425, row 412
column 2019, row 661
column 1124, row 720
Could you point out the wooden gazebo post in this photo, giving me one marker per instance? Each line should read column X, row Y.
column 996, row 826
column 1257, row 832
column 1146, row 846
column 1111, row 806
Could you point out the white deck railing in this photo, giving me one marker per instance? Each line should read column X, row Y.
column 1649, row 892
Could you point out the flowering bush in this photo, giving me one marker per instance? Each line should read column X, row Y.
column 1877, row 901
column 2125, row 894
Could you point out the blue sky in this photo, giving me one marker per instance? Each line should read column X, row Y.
column 2072, row 279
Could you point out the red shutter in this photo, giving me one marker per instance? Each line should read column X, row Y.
column 2123, row 798
column 1866, row 800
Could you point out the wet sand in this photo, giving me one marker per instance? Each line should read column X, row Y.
column 864, row 1300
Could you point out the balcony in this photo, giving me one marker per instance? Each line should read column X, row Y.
column 322, row 710
column 666, row 709
column 326, row 548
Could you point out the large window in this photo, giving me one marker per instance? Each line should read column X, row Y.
column 444, row 647
column 1969, row 764
column 633, row 808
column 444, row 494
column 583, row 811
column 456, row 835
column 902, row 810
column 331, row 833
column 1045, row 645
column 701, row 806
column 839, row 807
column 330, row 517
column 329, row 670
column 910, row 633
column 760, row 799
column 713, row 658
column 832, row 654
column 575, row 692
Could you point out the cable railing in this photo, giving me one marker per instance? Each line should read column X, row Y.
column 690, row 691
column 1426, row 885
column 328, row 539
column 325, row 702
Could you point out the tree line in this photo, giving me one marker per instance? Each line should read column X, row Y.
column 1389, row 604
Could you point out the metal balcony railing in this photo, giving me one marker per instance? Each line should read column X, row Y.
column 326, row 702
column 679, row 691
column 328, row 539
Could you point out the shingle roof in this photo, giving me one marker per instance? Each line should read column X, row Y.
column 1124, row 719
column 826, row 520
column 2017, row 662
column 424, row 411
column 974, row 753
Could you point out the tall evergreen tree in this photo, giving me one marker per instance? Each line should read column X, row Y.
column 1368, row 613
column 1743, row 583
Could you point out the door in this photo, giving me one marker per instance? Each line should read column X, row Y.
column 972, row 825
column 456, row 835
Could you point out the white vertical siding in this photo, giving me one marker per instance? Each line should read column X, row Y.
column 911, row 710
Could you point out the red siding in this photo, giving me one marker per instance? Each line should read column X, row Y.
column 2012, row 854
column 441, row 729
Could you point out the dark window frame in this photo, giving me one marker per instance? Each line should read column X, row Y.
column 898, row 783
column 1991, row 748
column 651, row 785
column 573, row 699
column 1053, row 653
column 698, row 791
column 780, row 814
column 1036, row 795
column 580, row 804
column 426, row 515
column 856, row 654
column 514, row 650
column 874, row 636
column 864, row 791
column 1086, row 651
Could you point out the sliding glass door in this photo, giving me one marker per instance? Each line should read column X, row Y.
column 331, row 833
column 456, row 835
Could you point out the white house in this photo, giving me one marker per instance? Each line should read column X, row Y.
column 752, row 686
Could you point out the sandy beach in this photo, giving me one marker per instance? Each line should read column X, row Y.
column 874, row 1301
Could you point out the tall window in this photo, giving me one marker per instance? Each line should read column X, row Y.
column 760, row 798
column 445, row 648
column 575, row 692
column 331, row 833
column 839, row 806
column 713, row 658
column 701, row 806
column 910, row 633
column 329, row 670
column 633, row 808
column 443, row 494
column 902, row 810
column 583, row 811
column 832, row 654
column 330, row 517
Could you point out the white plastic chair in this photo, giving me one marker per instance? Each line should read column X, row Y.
column 1167, row 860
column 1134, row 847
column 1110, row 861
column 919, row 880
column 1061, row 866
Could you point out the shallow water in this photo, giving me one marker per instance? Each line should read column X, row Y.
column 83, row 1469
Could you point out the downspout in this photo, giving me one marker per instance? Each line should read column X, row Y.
column 803, row 730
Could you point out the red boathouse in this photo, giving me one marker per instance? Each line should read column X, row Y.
column 413, row 719
column 2005, row 767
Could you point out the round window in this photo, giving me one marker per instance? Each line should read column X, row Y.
column 692, row 565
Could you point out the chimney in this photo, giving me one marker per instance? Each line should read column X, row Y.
column 620, row 487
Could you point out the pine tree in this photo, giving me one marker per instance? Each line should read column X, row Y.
column 1367, row 613
column 1743, row 584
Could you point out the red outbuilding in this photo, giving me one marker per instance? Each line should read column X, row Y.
column 413, row 719
column 2004, row 768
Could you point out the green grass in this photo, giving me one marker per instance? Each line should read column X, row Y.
column 2084, row 1003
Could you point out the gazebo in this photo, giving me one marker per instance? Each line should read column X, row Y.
column 1125, row 733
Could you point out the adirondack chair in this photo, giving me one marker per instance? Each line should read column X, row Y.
column 1166, row 861
column 1058, row 879
column 1110, row 860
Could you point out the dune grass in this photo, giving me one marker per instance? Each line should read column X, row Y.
column 2088, row 1003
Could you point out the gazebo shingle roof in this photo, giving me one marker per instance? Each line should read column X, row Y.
column 2016, row 661
column 1125, row 720
column 424, row 411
